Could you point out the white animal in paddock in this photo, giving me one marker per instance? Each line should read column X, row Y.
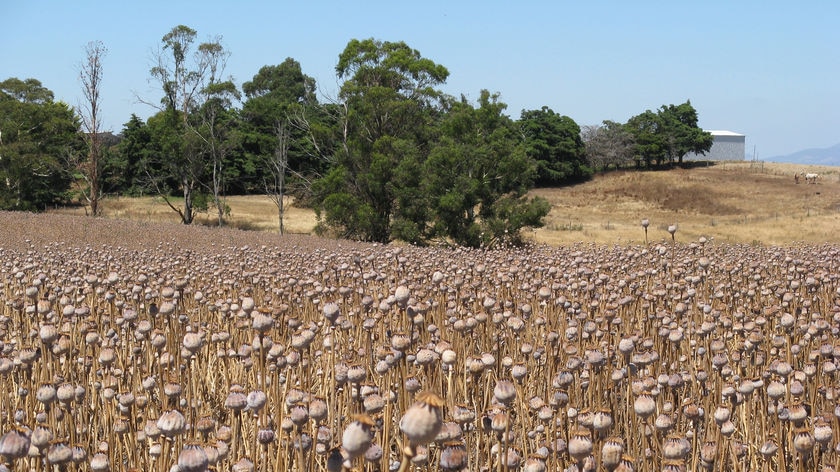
column 811, row 177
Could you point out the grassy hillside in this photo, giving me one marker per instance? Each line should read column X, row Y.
column 747, row 202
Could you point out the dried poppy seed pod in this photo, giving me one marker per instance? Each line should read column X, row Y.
column 580, row 444
column 504, row 392
column 676, row 447
column 171, row 423
column 357, row 436
column 59, row 453
column 193, row 342
column 644, row 405
column 99, row 463
column 804, row 442
column 192, row 458
column 708, row 453
column 423, row 420
column 823, row 433
column 611, row 452
column 14, row 444
column 236, row 399
column 454, row 457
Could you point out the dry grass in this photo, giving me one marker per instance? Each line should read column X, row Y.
column 734, row 202
column 743, row 202
column 251, row 212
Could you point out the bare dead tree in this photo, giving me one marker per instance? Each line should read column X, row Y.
column 90, row 168
column 278, row 164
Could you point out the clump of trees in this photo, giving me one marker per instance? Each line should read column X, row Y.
column 391, row 157
column 38, row 137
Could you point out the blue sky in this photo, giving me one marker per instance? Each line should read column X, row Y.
column 767, row 69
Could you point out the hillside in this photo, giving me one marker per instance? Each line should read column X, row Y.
column 736, row 202
column 829, row 156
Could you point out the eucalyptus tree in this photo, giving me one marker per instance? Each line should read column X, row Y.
column 553, row 141
column 276, row 137
column 476, row 177
column 668, row 134
column 390, row 96
column 190, row 79
column 682, row 135
column 39, row 138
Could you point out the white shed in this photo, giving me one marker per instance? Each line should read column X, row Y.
column 727, row 146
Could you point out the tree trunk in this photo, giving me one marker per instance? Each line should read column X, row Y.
column 187, row 214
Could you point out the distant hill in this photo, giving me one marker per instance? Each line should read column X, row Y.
column 829, row 156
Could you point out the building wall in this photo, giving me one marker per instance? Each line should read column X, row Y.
column 724, row 148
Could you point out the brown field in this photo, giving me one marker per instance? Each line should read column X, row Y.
column 734, row 202
column 744, row 202
column 139, row 345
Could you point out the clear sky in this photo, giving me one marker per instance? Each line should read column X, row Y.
column 765, row 68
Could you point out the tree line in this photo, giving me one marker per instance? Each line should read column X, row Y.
column 390, row 157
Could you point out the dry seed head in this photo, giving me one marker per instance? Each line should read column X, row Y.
column 171, row 423
column 454, row 457
column 504, row 392
column 611, row 452
column 14, row 444
column 99, row 463
column 644, row 405
column 193, row 458
column 804, row 441
column 357, row 435
column 580, row 445
column 59, row 453
column 423, row 420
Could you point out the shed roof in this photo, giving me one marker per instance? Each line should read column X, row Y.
column 717, row 132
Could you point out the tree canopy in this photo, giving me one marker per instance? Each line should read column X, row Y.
column 390, row 157
column 38, row 138
column 668, row 134
column 554, row 142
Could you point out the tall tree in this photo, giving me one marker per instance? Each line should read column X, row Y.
column 682, row 133
column 553, row 141
column 668, row 134
column 649, row 137
column 390, row 95
column 90, row 75
column 38, row 138
column 476, row 177
column 187, row 81
column 282, row 96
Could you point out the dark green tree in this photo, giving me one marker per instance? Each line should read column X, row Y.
column 39, row 140
column 648, row 136
column 282, row 96
column 125, row 163
column 668, row 134
column 553, row 141
column 476, row 177
column 682, row 135
column 390, row 98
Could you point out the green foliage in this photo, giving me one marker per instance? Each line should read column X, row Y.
column 682, row 133
column 38, row 138
column 283, row 95
column 553, row 141
column 668, row 134
column 476, row 177
column 390, row 98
